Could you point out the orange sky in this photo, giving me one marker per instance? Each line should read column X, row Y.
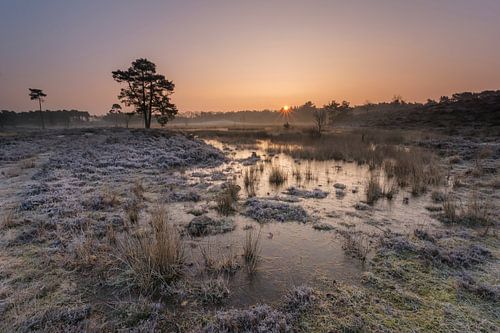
column 232, row 55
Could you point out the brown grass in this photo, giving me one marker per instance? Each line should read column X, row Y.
column 373, row 190
column 28, row 163
column 154, row 258
column 217, row 260
column 138, row 189
column 8, row 219
column 277, row 176
column 250, row 180
column 132, row 210
column 297, row 174
column 450, row 208
column 252, row 250
column 85, row 251
column 226, row 199
column 478, row 212
column 356, row 246
column 109, row 197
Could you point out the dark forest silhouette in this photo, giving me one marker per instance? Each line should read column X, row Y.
column 58, row 118
column 461, row 108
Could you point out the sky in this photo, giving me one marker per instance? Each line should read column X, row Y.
column 236, row 55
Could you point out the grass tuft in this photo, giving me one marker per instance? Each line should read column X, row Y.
column 155, row 258
column 277, row 176
column 373, row 190
column 252, row 250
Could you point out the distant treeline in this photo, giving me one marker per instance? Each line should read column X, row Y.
column 467, row 106
column 473, row 102
column 57, row 118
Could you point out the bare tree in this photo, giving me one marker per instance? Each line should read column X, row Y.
column 320, row 116
column 38, row 94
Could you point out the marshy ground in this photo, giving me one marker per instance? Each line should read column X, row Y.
column 248, row 231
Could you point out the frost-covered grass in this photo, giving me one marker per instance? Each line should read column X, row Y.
column 414, row 283
column 315, row 193
column 83, row 250
column 84, row 223
column 268, row 210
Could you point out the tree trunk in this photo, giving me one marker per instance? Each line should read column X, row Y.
column 145, row 113
column 41, row 113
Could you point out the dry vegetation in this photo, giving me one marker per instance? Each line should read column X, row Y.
column 252, row 250
column 154, row 258
column 226, row 200
column 250, row 179
column 90, row 248
column 277, row 176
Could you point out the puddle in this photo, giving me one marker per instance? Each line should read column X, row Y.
column 295, row 253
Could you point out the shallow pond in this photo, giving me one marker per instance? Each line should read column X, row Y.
column 296, row 253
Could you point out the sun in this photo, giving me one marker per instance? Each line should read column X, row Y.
column 285, row 110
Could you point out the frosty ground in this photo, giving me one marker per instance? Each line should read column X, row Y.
column 79, row 208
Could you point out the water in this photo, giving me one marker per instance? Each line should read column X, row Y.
column 295, row 253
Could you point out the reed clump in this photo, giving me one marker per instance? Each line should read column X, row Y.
column 252, row 250
column 277, row 176
column 153, row 258
column 250, row 180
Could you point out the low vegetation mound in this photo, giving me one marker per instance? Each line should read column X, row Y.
column 204, row 225
column 268, row 210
